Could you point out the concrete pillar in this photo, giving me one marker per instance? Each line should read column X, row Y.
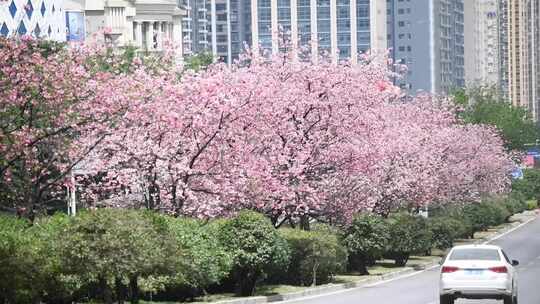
column 213, row 25
column 333, row 31
column 314, row 36
column 159, row 35
column 275, row 26
column 149, row 36
column 229, row 35
column 294, row 28
column 255, row 26
column 177, row 38
column 354, row 33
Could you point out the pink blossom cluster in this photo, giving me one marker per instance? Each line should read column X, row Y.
column 283, row 136
column 288, row 138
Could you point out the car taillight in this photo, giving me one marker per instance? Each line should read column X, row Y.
column 449, row 269
column 500, row 269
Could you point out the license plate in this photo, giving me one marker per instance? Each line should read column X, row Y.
column 473, row 271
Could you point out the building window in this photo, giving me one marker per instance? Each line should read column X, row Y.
column 409, row 49
column 401, row 23
column 402, row 49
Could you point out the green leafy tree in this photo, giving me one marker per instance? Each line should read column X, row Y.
column 484, row 106
column 256, row 247
column 366, row 238
column 199, row 61
column 529, row 186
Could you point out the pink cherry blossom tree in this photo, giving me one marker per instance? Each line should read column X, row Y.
column 293, row 139
column 41, row 85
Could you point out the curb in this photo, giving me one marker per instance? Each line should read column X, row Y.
column 330, row 288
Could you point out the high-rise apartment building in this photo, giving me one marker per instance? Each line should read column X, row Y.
column 340, row 28
column 524, row 54
column 217, row 26
column 482, row 58
column 503, row 48
column 428, row 37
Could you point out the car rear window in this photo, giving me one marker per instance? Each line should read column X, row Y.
column 475, row 254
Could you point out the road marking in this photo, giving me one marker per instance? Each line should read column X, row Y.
column 510, row 231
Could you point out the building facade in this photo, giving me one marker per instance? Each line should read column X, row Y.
column 503, row 49
column 428, row 37
column 146, row 24
column 39, row 18
column 340, row 28
column 524, row 54
column 482, row 58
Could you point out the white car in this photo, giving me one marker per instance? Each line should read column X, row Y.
column 478, row 272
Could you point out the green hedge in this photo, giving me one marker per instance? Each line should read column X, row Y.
column 111, row 255
column 316, row 255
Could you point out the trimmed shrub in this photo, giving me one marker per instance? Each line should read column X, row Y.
column 256, row 248
column 532, row 204
column 515, row 203
column 366, row 239
column 409, row 234
column 316, row 255
column 209, row 262
column 57, row 286
column 445, row 230
column 18, row 273
column 114, row 249
column 478, row 215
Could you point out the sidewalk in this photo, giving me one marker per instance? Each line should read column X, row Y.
column 427, row 263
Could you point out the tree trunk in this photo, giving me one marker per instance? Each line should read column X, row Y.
column 120, row 291
column 315, row 267
column 134, row 288
column 304, row 222
column 246, row 284
column 401, row 259
column 359, row 263
column 106, row 292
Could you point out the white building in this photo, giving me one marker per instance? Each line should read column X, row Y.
column 482, row 64
column 146, row 24
column 40, row 18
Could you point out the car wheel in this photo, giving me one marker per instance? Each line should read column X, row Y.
column 445, row 299
column 510, row 300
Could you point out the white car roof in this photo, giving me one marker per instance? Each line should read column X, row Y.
column 477, row 247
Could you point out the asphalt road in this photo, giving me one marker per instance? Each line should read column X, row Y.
column 523, row 245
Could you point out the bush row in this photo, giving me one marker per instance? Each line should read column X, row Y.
column 113, row 254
